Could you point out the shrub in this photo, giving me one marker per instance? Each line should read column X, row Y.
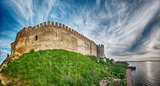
column 31, row 51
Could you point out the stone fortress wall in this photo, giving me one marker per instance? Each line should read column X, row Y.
column 54, row 36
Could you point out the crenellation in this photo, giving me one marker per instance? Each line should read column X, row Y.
column 63, row 26
column 72, row 31
column 66, row 28
column 85, row 38
column 25, row 28
column 100, row 51
column 29, row 27
column 60, row 25
column 37, row 26
column 44, row 24
column 75, row 33
column 41, row 25
column 67, row 38
column 69, row 29
column 80, row 35
column 56, row 24
column 88, row 39
column 48, row 23
column 52, row 23
column 34, row 27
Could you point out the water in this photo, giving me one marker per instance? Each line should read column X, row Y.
column 147, row 73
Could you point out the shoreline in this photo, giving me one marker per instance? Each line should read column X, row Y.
column 129, row 77
column 141, row 61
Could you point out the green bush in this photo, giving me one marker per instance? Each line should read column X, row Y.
column 122, row 76
column 32, row 51
column 114, row 70
column 123, row 83
column 94, row 58
column 123, row 64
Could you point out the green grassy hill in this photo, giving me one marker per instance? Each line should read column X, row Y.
column 59, row 67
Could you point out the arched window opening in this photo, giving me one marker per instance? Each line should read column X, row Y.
column 36, row 37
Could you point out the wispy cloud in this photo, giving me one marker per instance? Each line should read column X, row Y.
column 119, row 25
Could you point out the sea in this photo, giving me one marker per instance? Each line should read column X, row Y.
column 147, row 73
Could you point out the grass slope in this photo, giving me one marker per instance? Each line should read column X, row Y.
column 57, row 67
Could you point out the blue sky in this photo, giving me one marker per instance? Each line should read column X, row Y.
column 129, row 29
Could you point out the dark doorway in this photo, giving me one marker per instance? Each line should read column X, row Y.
column 36, row 37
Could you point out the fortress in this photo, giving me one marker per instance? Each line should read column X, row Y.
column 52, row 35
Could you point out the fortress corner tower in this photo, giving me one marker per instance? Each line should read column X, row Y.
column 100, row 52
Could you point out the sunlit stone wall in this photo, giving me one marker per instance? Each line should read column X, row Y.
column 52, row 36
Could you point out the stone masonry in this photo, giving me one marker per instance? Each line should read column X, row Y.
column 54, row 36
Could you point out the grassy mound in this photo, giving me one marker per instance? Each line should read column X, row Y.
column 56, row 67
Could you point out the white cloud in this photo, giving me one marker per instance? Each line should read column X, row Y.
column 116, row 25
column 126, row 35
column 5, row 43
column 4, row 49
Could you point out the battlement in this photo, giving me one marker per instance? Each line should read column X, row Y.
column 100, row 45
column 48, row 24
column 54, row 35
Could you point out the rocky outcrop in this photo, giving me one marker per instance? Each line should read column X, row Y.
column 109, row 81
column 129, row 78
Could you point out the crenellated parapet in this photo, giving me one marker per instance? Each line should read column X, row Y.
column 48, row 24
column 54, row 35
column 42, row 27
column 100, row 45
